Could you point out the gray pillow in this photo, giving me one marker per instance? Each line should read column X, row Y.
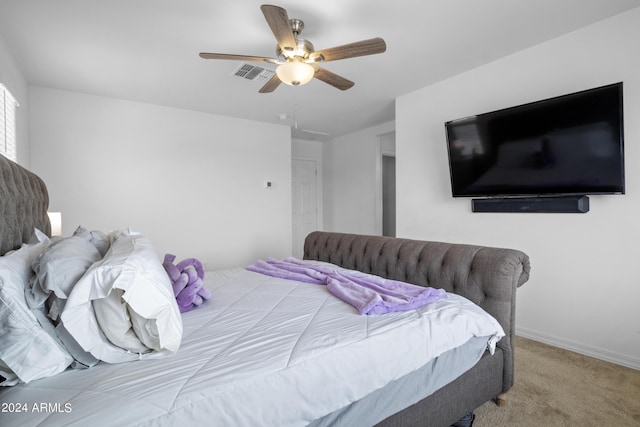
column 97, row 238
column 58, row 269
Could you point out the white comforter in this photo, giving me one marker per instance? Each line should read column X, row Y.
column 263, row 351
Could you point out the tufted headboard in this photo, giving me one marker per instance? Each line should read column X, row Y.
column 23, row 205
column 487, row 276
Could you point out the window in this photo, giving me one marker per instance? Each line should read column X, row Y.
column 8, row 106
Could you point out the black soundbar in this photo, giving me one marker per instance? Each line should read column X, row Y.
column 565, row 204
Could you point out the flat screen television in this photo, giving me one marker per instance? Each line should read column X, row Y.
column 567, row 145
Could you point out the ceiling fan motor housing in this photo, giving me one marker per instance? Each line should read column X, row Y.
column 302, row 51
column 303, row 47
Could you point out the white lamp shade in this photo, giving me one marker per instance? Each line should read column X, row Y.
column 295, row 73
column 55, row 218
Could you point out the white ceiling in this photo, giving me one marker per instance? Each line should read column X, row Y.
column 147, row 50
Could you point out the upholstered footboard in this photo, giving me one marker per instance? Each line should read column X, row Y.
column 487, row 276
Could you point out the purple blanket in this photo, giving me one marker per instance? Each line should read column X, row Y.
column 368, row 293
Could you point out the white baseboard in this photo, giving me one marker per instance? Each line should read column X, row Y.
column 609, row 356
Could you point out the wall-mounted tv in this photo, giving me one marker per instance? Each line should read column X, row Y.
column 567, row 145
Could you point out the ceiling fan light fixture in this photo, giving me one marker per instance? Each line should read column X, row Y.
column 295, row 73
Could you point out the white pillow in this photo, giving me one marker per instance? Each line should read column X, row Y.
column 27, row 352
column 133, row 266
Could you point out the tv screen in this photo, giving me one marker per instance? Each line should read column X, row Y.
column 567, row 145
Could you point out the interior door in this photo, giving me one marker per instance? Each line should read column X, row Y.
column 305, row 202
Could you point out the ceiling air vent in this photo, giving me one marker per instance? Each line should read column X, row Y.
column 252, row 72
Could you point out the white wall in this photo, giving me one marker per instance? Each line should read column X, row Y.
column 12, row 78
column 306, row 149
column 584, row 289
column 352, row 181
column 192, row 182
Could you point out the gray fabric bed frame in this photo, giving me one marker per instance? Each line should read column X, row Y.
column 487, row 276
column 23, row 205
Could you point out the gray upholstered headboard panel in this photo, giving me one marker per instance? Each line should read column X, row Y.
column 487, row 276
column 23, row 205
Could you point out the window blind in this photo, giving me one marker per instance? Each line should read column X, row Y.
column 8, row 105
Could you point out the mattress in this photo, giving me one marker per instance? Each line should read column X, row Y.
column 261, row 351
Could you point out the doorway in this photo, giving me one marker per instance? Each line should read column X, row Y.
column 386, row 182
column 388, row 196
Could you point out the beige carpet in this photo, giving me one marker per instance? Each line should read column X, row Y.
column 556, row 387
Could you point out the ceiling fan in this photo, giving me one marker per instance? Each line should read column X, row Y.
column 296, row 58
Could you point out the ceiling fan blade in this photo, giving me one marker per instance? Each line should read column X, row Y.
column 271, row 85
column 206, row 55
column 351, row 50
column 278, row 21
column 332, row 78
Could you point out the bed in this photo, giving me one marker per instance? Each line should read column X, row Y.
column 267, row 350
